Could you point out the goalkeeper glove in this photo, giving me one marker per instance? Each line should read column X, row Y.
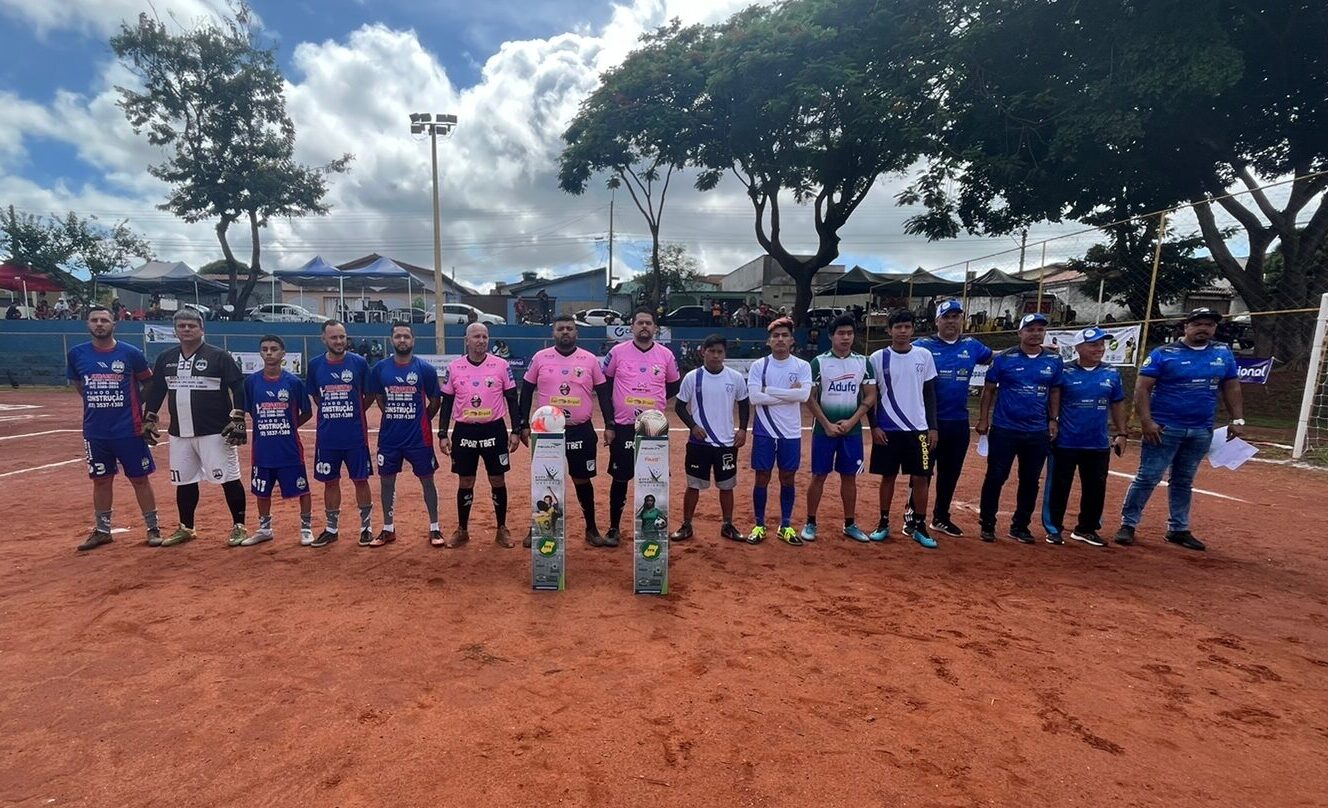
column 151, row 432
column 234, row 431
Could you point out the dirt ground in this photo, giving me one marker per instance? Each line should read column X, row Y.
column 835, row 674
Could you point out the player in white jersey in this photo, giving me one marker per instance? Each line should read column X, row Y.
column 705, row 404
column 843, row 392
column 778, row 384
column 903, row 425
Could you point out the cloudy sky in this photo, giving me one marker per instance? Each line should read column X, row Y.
column 513, row 72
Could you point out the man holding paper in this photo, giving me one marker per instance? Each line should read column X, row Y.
column 1176, row 399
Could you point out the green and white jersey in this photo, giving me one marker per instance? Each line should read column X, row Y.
column 839, row 381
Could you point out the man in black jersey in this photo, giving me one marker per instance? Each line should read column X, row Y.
column 204, row 391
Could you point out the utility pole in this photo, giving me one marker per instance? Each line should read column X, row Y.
column 435, row 125
column 608, row 297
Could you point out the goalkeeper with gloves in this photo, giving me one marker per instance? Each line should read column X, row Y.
column 204, row 390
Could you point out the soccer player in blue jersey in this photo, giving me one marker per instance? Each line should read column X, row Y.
column 337, row 381
column 406, row 389
column 1023, row 383
column 109, row 375
column 1091, row 396
column 1176, row 399
column 955, row 357
column 279, row 405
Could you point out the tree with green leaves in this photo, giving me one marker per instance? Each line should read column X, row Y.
column 813, row 100
column 69, row 242
column 1057, row 111
column 213, row 98
column 635, row 126
column 675, row 271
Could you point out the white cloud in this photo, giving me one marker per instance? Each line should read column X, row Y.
column 101, row 18
column 503, row 211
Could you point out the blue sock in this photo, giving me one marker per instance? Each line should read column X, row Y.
column 787, row 495
column 759, row 495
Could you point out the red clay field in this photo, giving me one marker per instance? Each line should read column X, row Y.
column 834, row 674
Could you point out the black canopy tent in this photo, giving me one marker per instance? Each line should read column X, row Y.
column 857, row 281
column 163, row 278
column 995, row 283
column 919, row 283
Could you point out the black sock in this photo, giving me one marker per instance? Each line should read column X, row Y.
column 465, row 498
column 186, row 502
column 500, row 505
column 617, row 501
column 811, row 520
column 585, row 494
column 848, row 521
column 885, row 519
column 234, row 491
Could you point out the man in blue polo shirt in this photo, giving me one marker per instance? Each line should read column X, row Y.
column 1091, row 395
column 955, row 356
column 1023, row 384
column 1176, row 399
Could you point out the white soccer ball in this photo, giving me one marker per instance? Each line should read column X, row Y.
column 652, row 424
column 548, row 419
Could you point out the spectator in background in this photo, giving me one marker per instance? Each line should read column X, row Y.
column 717, row 313
column 764, row 318
column 61, row 308
column 546, row 306
column 116, row 308
column 740, row 316
column 43, row 309
column 472, row 316
column 13, row 312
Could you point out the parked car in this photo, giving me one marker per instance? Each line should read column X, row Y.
column 459, row 314
column 684, row 316
column 598, row 317
column 284, row 313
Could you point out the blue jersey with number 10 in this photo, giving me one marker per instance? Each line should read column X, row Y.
column 277, row 406
column 338, row 388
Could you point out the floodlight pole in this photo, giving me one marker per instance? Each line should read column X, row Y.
column 441, row 124
column 438, row 296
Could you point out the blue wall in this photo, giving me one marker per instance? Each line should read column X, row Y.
column 33, row 352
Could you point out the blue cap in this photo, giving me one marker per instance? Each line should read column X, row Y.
column 1092, row 334
column 946, row 306
column 1030, row 319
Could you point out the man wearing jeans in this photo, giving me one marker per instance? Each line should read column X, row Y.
column 1176, row 399
column 1024, row 385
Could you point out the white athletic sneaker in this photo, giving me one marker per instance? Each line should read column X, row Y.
column 306, row 536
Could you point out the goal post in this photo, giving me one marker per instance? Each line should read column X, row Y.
column 1313, row 420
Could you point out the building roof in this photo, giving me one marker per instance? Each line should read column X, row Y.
column 448, row 283
column 528, row 283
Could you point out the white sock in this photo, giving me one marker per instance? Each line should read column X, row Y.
column 433, row 525
column 390, row 528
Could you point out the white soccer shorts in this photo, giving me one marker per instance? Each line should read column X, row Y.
column 206, row 458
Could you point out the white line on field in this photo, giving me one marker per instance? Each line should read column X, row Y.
column 38, row 434
column 47, row 466
column 1195, row 490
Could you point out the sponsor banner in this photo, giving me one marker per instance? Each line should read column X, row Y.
column 159, row 333
column 650, row 517
column 438, row 362
column 1122, row 344
column 1254, row 370
column 252, row 361
column 623, row 333
column 548, row 534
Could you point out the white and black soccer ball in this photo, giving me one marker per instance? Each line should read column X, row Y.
column 652, row 424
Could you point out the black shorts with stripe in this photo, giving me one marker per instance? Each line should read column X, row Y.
column 903, row 451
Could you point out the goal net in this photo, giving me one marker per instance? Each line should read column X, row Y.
column 1312, row 426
